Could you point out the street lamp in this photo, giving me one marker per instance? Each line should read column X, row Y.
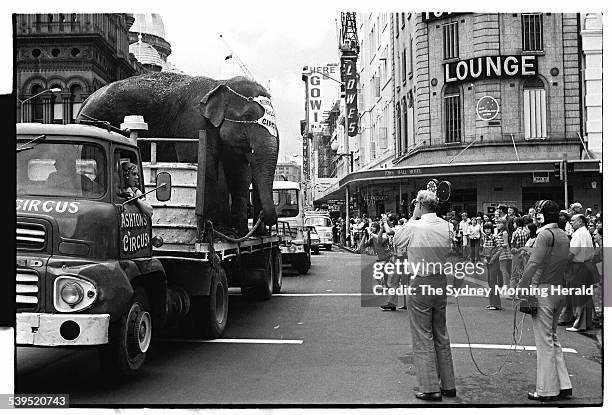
column 53, row 90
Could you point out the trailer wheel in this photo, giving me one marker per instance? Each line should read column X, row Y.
column 278, row 271
column 129, row 339
column 207, row 315
column 303, row 265
column 262, row 279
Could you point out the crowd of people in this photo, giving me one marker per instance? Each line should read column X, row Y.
column 503, row 241
column 543, row 247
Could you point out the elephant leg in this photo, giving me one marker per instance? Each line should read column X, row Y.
column 238, row 179
column 216, row 204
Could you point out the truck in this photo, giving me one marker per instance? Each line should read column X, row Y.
column 93, row 270
column 289, row 203
column 321, row 221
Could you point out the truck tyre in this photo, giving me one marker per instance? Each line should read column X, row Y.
column 263, row 279
column 278, row 271
column 303, row 265
column 207, row 315
column 315, row 251
column 129, row 339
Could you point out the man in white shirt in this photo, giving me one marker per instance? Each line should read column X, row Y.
column 581, row 251
column 463, row 228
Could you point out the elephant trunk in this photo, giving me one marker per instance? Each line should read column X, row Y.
column 263, row 168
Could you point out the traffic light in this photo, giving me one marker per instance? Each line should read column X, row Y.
column 557, row 167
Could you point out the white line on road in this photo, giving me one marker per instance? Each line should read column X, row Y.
column 503, row 347
column 236, row 341
column 319, row 295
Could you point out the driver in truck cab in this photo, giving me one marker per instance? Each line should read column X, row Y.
column 66, row 178
column 131, row 178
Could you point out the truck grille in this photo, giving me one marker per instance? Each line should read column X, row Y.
column 31, row 235
column 27, row 288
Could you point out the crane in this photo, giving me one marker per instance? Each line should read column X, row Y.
column 237, row 59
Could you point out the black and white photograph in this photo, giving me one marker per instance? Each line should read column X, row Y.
column 306, row 205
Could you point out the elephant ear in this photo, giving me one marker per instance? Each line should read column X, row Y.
column 213, row 105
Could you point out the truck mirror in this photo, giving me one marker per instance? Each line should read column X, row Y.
column 163, row 193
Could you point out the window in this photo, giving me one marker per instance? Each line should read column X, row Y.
column 405, row 122
column 76, row 99
column 403, row 20
column 37, row 104
column 62, row 169
column 398, row 127
column 450, row 39
column 286, row 202
column 404, row 68
column 397, row 27
column 532, row 32
column 452, row 114
column 534, row 108
column 57, row 105
column 372, row 150
column 409, row 59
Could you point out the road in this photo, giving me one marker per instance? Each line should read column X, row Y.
column 327, row 349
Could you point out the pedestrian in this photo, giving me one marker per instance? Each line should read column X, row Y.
column 580, row 253
column 491, row 261
column 550, row 255
column 517, row 241
column 565, row 222
column 463, row 229
column 474, row 238
column 389, row 225
column 503, row 249
column 429, row 238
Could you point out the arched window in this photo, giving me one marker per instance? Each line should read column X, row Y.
column 57, row 106
column 76, row 99
column 37, row 104
column 405, row 124
column 398, row 137
column 534, row 108
column 452, row 114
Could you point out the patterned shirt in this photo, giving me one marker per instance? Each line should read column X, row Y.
column 488, row 245
column 520, row 238
column 504, row 250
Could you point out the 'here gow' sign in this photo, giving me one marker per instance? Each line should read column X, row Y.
column 485, row 67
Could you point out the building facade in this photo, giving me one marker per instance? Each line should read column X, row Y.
column 75, row 52
column 288, row 171
column 487, row 101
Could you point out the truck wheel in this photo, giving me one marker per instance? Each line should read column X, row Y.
column 263, row 278
column 278, row 271
column 315, row 251
column 207, row 315
column 303, row 265
column 129, row 339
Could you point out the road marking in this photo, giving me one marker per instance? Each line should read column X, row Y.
column 237, row 341
column 319, row 295
column 503, row 347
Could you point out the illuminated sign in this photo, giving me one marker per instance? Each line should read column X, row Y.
column 349, row 68
column 485, row 67
column 322, row 92
column 487, row 108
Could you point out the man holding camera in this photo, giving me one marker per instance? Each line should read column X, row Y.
column 429, row 239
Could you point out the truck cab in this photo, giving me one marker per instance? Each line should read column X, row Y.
column 85, row 275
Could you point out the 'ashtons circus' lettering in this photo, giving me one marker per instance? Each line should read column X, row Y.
column 133, row 242
column 47, row 206
column 131, row 220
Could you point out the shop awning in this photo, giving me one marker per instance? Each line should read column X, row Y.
column 448, row 170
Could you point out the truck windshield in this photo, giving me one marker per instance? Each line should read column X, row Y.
column 286, row 203
column 62, row 169
column 318, row 221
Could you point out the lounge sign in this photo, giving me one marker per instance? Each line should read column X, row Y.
column 485, row 67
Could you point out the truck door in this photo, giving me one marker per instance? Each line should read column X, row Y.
column 134, row 225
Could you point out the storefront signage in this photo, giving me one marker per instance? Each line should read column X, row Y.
column 431, row 16
column 349, row 69
column 402, row 172
column 485, row 67
column 487, row 108
column 541, row 177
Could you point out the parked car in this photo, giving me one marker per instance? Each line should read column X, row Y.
column 314, row 240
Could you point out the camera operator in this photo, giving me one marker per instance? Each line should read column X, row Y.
column 550, row 256
column 429, row 239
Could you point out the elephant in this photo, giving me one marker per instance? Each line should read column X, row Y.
column 240, row 150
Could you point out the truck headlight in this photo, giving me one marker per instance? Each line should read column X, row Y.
column 72, row 293
column 292, row 248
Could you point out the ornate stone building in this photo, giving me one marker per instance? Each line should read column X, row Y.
column 74, row 52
